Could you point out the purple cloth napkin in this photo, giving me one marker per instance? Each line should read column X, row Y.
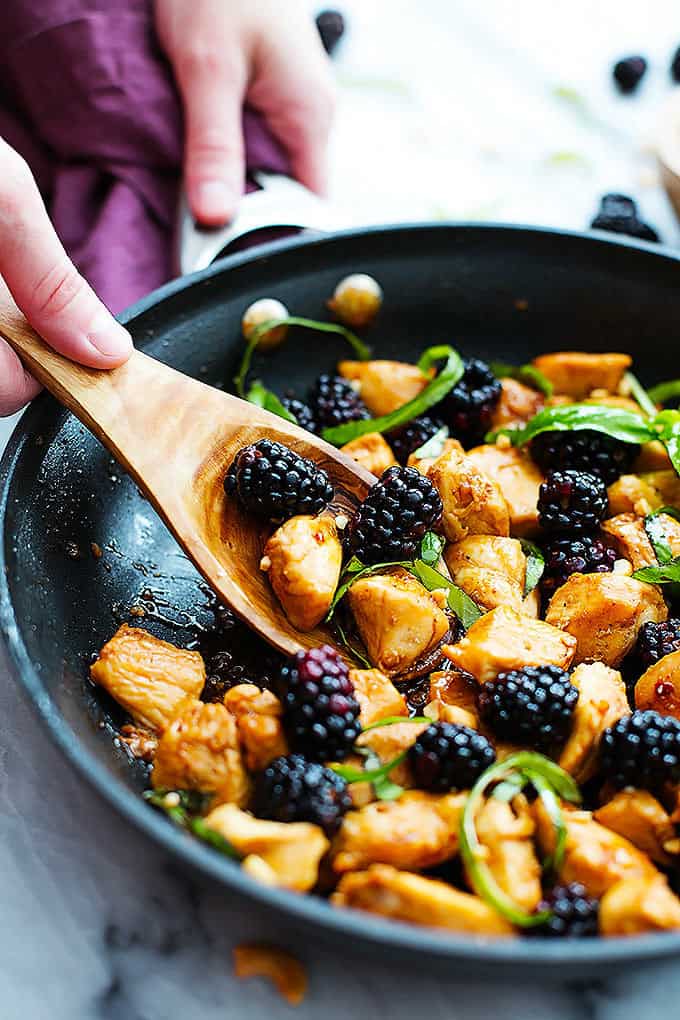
column 88, row 99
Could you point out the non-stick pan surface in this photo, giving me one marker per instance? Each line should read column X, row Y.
column 499, row 292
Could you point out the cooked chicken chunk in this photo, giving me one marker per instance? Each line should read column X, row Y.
column 601, row 702
column 258, row 722
column 377, row 696
column 199, row 750
column 490, row 569
column 659, row 687
column 150, row 678
column 631, row 494
column 423, row 464
column 577, row 374
column 384, row 385
column 519, row 480
column 639, row 817
column 397, row 618
column 594, row 855
column 388, row 741
column 518, row 404
column 406, row 897
column 473, row 503
column 507, row 834
column 303, row 559
column 504, row 640
column 630, row 539
column 454, row 687
column 417, row 831
column 371, row 451
column 653, row 457
column 639, row 905
column 604, row 612
column 667, row 486
column 281, row 853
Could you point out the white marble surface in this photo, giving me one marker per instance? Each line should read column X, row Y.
column 447, row 110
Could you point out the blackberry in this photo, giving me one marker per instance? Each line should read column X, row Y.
column 331, row 26
column 571, row 501
column 333, row 401
column 468, row 408
column 573, row 912
column 274, row 482
column 656, row 640
column 675, row 65
column 584, row 450
column 531, row 706
column 449, row 757
column 586, row 553
column 643, row 750
column 395, row 515
column 629, row 72
column 619, row 215
column 320, row 711
column 411, row 437
column 302, row 413
column 292, row 789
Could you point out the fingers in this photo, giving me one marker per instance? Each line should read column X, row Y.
column 16, row 385
column 55, row 299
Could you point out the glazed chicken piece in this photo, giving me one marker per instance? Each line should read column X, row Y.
column 631, row 494
column 577, row 374
column 407, row 897
column 199, row 750
column 258, row 722
column 659, row 687
column 423, row 464
column 641, row 818
column 504, row 639
column 371, row 451
column 605, row 612
column 491, row 569
column 303, row 559
column 594, row 855
column 519, row 480
column 384, row 385
column 453, row 698
column 277, row 853
column 377, row 696
column 398, row 619
column 639, row 905
column 667, row 486
column 507, row 834
column 653, row 457
column 387, row 742
column 150, row 678
column 518, row 404
column 630, row 539
column 473, row 503
column 601, row 702
column 417, row 831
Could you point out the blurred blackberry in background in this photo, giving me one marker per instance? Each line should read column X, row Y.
column 292, row 789
column 396, row 513
column 331, row 26
column 410, row 437
column 619, row 215
column 629, row 72
column 468, row 408
column 584, row 450
column 301, row 411
column 656, row 640
column 573, row 912
column 449, row 757
column 571, row 501
column 642, row 750
column 587, row 553
column 334, row 401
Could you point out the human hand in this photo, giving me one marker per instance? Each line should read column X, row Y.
column 48, row 289
column 223, row 54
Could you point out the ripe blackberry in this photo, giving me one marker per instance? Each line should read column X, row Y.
column 411, row 437
column 276, row 483
column 619, row 215
column 656, row 640
column 643, row 750
column 467, row 409
column 331, row 26
column 571, row 501
column 584, row 450
column 449, row 757
column 320, row 711
column 629, row 72
column 574, row 912
column 531, row 706
column 333, row 401
column 586, row 553
column 292, row 789
column 302, row 413
column 395, row 515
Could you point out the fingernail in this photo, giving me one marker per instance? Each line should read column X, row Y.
column 213, row 200
column 110, row 338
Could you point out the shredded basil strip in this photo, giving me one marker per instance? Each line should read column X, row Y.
column 431, row 548
column 362, row 350
column 435, row 391
column 258, row 394
column 460, row 603
column 434, row 447
column 351, row 774
column 664, row 391
column 553, row 862
column 535, row 565
column 613, row 421
column 352, row 649
column 641, row 395
column 355, row 570
column 528, row 374
column 186, row 814
column 391, row 720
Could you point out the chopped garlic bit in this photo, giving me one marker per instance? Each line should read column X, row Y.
column 624, row 567
column 261, row 311
column 171, row 799
column 265, row 563
column 341, row 522
column 642, row 507
column 503, row 442
column 284, row 971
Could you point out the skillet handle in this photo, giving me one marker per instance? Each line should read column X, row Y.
column 281, row 202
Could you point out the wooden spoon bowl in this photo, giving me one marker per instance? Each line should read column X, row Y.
column 177, row 437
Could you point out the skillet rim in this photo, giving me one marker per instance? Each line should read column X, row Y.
column 493, row 957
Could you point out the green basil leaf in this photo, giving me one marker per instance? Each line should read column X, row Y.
column 460, row 604
column 362, row 351
column 391, row 720
column 535, row 565
column 431, row 548
column 553, row 862
column 187, row 814
column 215, row 839
column 385, row 789
column 434, row 447
column 528, row 374
column 612, row 421
column 355, row 652
column 354, row 570
column 665, row 391
column 258, row 394
column 665, row 573
column 508, row 788
column 435, row 391
column 640, row 394
column 667, row 428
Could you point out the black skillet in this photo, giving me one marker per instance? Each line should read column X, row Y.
column 500, row 292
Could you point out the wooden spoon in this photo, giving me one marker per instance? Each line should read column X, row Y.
column 176, row 437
